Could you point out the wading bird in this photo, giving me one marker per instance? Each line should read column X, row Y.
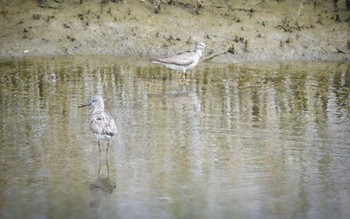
column 183, row 61
column 101, row 124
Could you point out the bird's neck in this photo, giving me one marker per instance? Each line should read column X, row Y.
column 98, row 109
column 199, row 53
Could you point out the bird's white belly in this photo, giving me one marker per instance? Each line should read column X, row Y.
column 176, row 67
column 180, row 68
column 103, row 137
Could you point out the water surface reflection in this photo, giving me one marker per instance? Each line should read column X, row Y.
column 266, row 140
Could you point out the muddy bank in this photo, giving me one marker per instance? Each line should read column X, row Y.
column 233, row 32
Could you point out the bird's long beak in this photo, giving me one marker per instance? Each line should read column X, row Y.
column 84, row 105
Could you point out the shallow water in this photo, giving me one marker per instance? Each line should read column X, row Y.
column 258, row 140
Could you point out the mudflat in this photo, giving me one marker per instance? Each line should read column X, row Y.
column 232, row 31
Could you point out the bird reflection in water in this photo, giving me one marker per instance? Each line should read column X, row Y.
column 103, row 181
column 102, row 187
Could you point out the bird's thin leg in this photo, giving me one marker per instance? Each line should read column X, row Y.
column 107, row 150
column 99, row 147
column 99, row 166
column 184, row 75
column 107, row 166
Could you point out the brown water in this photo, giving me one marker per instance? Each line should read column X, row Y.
column 263, row 140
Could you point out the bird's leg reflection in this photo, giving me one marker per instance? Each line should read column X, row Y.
column 100, row 189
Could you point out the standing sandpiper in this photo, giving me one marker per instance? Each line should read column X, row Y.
column 101, row 124
column 183, row 61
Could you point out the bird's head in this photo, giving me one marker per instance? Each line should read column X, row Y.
column 95, row 101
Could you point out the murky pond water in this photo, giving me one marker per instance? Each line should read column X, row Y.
column 266, row 140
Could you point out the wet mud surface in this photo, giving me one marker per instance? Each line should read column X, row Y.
column 233, row 32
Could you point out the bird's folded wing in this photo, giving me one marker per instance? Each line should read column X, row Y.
column 103, row 124
column 183, row 59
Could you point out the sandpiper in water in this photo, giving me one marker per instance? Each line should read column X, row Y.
column 183, row 61
column 101, row 124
